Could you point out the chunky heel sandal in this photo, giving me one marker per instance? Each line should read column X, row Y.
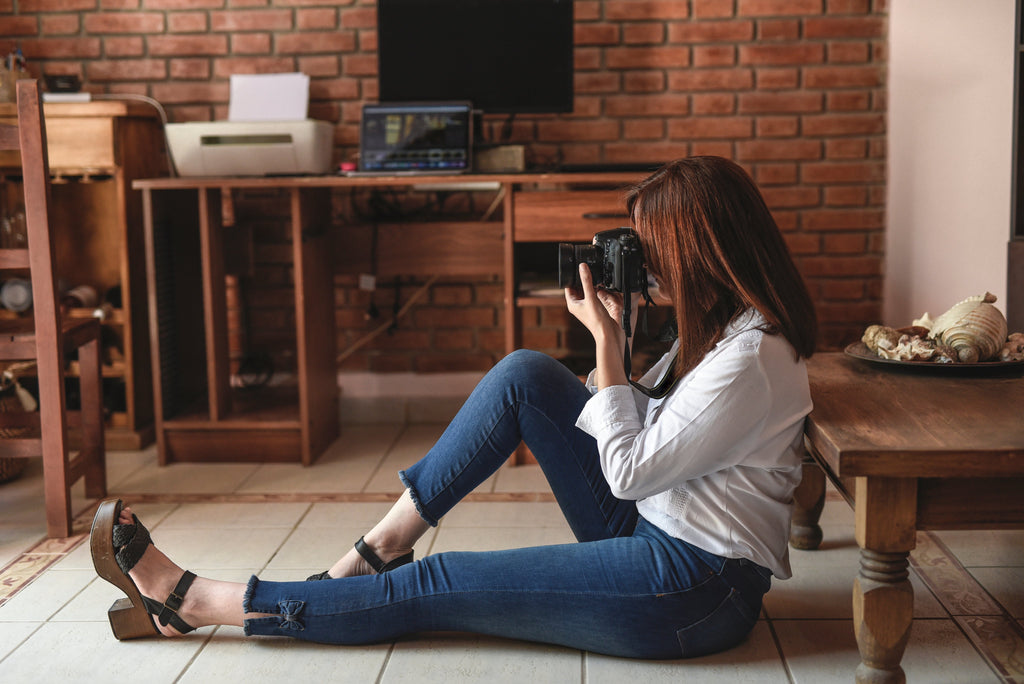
column 115, row 549
column 373, row 559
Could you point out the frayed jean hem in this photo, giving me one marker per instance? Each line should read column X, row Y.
column 414, row 495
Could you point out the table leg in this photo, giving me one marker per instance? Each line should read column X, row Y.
column 883, row 598
column 808, row 502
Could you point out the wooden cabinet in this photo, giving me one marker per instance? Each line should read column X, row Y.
column 96, row 150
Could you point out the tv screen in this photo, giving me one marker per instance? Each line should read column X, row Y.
column 503, row 56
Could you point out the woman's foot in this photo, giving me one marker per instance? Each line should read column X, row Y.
column 156, row 576
column 390, row 539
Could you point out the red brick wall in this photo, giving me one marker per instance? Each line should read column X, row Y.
column 792, row 89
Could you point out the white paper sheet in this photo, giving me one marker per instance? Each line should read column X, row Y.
column 269, row 97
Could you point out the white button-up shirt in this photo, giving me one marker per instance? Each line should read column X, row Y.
column 716, row 461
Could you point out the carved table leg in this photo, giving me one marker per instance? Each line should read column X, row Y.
column 883, row 598
column 808, row 501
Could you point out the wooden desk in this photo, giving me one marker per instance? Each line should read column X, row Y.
column 910, row 450
column 198, row 416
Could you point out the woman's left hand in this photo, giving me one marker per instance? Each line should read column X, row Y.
column 599, row 311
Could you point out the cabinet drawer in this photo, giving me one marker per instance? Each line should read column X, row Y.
column 80, row 143
column 569, row 216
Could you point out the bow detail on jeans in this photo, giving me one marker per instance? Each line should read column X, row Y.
column 290, row 611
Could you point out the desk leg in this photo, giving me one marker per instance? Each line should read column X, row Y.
column 883, row 598
column 808, row 501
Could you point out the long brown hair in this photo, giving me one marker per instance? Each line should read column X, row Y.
column 714, row 248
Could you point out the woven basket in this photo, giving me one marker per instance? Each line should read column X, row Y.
column 10, row 402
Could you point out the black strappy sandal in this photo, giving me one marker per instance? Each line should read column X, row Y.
column 116, row 548
column 373, row 559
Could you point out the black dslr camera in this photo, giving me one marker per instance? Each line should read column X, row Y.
column 615, row 258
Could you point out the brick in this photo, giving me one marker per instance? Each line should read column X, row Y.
column 843, row 172
column 179, row 93
column 183, row 4
column 307, row 42
column 844, row 219
column 755, row 150
column 250, row 43
column 123, row 46
column 849, row 52
column 58, row 24
column 119, row 4
column 61, row 48
column 653, row 152
column 451, row 295
column 848, row 101
column 319, row 66
column 776, row 103
column 644, row 82
column 710, row 31
column 710, row 127
column 251, row 20
column 845, row 243
column 359, row 18
column 705, row 9
column 127, row 70
column 599, row 82
column 843, row 289
column 846, row 148
column 835, row 266
column 848, row 6
column 777, row 126
column 784, row 54
column 844, row 27
column 480, row 361
column 359, row 65
column 791, row 197
column 776, row 173
column 777, row 79
column 452, row 340
column 224, row 67
column 190, row 69
column 803, row 243
column 714, row 55
column 778, row 29
column 714, row 104
column 124, row 22
column 843, row 77
column 843, row 124
column 638, row 10
column 596, row 34
column 638, row 34
column 647, row 57
column 317, row 18
column 187, row 22
column 761, row 8
column 711, row 148
column 689, row 80
column 647, row 105
column 643, row 129
column 18, row 26
column 454, row 317
column 187, row 45
column 32, row 6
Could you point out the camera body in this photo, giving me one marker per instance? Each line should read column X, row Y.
column 615, row 258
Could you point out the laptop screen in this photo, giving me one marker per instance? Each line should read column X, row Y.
column 416, row 138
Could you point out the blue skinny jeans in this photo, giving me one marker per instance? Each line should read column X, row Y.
column 625, row 589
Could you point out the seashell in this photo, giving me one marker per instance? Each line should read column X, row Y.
column 974, row 328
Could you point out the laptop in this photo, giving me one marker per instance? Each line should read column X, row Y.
column 412, row 138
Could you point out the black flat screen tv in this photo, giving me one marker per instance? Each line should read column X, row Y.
column 503, row 56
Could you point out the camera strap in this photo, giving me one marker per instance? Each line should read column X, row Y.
column 669, row 380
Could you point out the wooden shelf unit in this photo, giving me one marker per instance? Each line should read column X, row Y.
column 96, row 150
column 198, row 415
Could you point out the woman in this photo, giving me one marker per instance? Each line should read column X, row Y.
column 680, row 501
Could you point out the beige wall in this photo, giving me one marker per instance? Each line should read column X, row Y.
column 950, row 139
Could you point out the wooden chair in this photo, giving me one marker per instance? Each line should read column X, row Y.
column 46, row 336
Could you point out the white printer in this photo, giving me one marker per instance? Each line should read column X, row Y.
column 267, row 133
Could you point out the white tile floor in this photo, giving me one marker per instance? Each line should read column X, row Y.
column 284, row 522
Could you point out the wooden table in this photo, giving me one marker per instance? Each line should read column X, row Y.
column 910, row 449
